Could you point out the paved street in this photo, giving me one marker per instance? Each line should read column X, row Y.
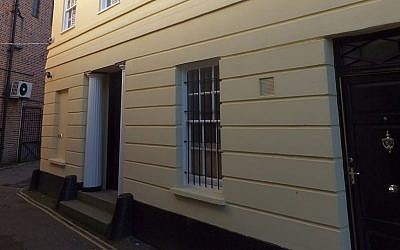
column 23, row 226
column 17, row 175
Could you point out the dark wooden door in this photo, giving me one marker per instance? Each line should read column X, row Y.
column 372, row 105
column 114, row 113
column 368, row 69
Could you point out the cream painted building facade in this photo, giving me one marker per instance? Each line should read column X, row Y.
column 277, row 175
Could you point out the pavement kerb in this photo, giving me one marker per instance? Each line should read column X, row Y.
column 61, row 219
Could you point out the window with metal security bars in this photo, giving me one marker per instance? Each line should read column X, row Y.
column 104, row 4
column 202, row 126
column 69, row 14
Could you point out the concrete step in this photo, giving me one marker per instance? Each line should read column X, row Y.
column 92, row 217
column 105, row 200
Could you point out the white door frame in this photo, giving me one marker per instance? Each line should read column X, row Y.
column 121, row 130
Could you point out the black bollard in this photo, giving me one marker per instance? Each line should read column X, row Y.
column 34, row 184
column 69, row 189
column 122, row 221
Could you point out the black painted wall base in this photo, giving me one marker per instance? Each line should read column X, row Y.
column 46, row 183
column 159, row 228
column 166, row 230
column 56, row 187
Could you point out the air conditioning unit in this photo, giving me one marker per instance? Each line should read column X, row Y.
column 20, row 89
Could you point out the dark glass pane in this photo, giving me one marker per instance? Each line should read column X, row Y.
column 216, row 78
column 371, row 52
column 210, row 133
column 347, row 49
column 196, row 132
column 217, row 108
column 193, row 81
column 395, row 59
column 206, row 79
column 195, row 168
column 206, row 106
column 353, row 55
column 359, row 63
column 211, row 162
column 193, row 107
column 380, row 50
column 216, row 72
column 348, row 61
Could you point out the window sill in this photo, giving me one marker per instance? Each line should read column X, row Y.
column 67, row 29
column 201, row 194
column 57, row 161
column 107, row 8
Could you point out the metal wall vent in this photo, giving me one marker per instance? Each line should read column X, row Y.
column 267, row 86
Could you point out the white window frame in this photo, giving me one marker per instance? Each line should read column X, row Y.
column 205, row 182
column 107, row 4
column 69, row 17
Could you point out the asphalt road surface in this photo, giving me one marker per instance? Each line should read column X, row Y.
column 23, row 226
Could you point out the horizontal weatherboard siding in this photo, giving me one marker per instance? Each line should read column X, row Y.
column 310, row 205
column 300, row 141
column 288, row 112
column 151, row 135
column 156, row 175
column 158, row 78
column 282, row 163
column 151, row 116
column 75, row 145
column 295, row 55
column 281, row 169
column 164, row 96
column 314, row 81
column 154, row 154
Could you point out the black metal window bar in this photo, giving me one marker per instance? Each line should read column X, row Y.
column 203, row 128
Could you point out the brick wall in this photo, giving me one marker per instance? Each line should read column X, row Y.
column 28, row 65
column 5, row 20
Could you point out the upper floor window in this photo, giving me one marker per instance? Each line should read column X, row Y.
column 69, row 14
column 202, row 137
column 104, row 4
column 35, row 8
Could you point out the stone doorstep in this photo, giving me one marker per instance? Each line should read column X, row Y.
column 88, row 211
column 93, row 210
column 102, row 220
column 104, row 200
column 94, row 218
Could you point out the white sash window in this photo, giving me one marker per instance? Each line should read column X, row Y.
column 105, row 4
column 69, row 14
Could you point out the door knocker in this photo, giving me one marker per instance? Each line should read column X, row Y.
column 388, row 142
